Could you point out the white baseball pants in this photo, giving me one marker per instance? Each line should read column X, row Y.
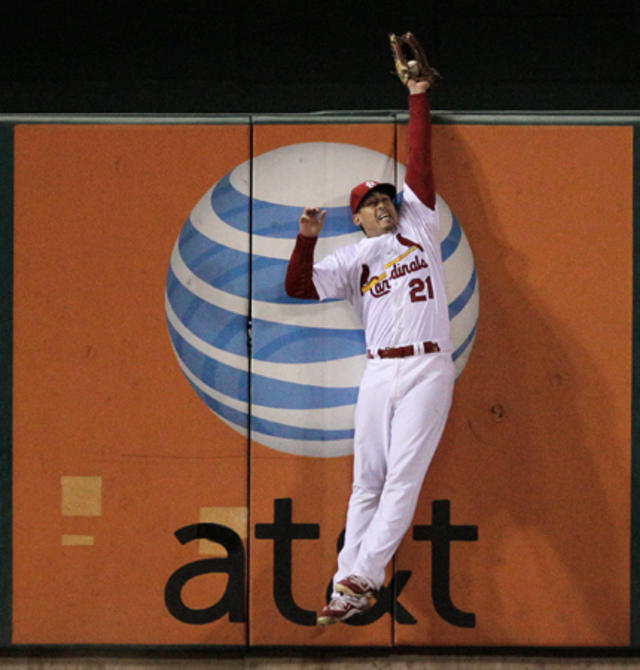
column 402, row 408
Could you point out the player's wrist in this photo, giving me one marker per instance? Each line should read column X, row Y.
column 307, row 236
column 418, row 87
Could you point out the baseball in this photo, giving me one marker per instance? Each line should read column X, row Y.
column 413, row 66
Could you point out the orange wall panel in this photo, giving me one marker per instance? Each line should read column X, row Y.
column 114, row 452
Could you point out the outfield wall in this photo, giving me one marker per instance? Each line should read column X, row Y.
column 177, row 432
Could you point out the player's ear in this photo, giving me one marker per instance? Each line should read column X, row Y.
column 356, row 220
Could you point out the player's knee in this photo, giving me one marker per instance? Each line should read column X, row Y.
column 403, row 492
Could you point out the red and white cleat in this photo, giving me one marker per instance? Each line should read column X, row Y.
column 341, row 609
column 357, row 586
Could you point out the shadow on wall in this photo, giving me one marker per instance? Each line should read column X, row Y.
column 525, row 442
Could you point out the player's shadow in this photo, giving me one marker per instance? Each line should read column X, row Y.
column 530, row 422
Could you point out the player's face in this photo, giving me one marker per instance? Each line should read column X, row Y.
column 377, row 214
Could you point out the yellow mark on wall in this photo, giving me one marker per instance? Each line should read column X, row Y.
column 77, row 540
column 231, row 517
column 81, row 496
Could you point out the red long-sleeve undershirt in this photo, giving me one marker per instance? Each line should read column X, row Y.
column 419, row 174
column 419, row 177
column 299, row 280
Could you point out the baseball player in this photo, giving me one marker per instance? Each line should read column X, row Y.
column 394, row 279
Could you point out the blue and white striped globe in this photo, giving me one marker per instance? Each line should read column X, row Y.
column 297, row 393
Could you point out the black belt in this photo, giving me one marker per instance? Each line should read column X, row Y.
column 402, row 352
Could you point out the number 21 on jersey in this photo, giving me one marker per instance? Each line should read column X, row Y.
column 421, row 290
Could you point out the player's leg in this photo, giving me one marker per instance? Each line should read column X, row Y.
column 371, row 441
column 424, row 400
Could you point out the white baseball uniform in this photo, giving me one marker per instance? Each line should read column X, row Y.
column 395, row 281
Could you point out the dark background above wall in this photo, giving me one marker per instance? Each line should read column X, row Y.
column 260, row 57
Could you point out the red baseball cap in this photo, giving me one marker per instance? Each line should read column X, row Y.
column 360, row 192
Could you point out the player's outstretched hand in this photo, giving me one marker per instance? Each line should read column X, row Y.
column 311, row 221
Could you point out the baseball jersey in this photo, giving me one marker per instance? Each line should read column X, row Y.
column 395, row 281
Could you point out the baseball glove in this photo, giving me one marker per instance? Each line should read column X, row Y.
column 410, row 60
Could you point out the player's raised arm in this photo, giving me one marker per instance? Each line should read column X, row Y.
column 419, row 166
column 415, row 72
